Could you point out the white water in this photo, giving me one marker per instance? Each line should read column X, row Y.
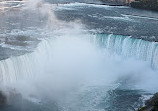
column 130, row 47
column 73, row 63
column 71, row 59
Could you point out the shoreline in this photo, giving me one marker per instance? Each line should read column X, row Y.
column 145, row 5
column 151, row 104
column 136, row 4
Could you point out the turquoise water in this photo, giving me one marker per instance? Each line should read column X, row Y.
column 130, row 47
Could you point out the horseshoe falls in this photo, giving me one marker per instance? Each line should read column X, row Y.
column 99, row 69
column 123, row 46
column 76, row 56
column 130, row 47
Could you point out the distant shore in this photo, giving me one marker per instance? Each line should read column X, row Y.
column 114, row 2
column 107, row 3
column 147, row 5
column 140, row 4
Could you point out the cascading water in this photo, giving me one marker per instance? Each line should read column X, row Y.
column 130, row 47
column 72, row 63
column 15, row 67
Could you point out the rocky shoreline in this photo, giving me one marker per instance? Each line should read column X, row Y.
column 3, row 99
column 145, row 4
column 140, row 4
column 151, row 104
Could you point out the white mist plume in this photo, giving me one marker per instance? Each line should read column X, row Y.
column 45, row 11
column 68, row 61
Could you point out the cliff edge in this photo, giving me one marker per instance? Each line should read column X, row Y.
column 151, row 104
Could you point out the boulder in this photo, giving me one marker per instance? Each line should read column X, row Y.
column 151, row 104
column 3, row 99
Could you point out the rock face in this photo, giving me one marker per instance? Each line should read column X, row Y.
column 145, row 4
column 151, row 104
column 3, row 99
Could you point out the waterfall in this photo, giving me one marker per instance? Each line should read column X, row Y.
column 130, row 47
column 24, row 66
column 28, row 65
column 66, row 59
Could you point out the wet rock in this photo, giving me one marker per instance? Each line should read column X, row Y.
column 151, row 104
column 2, row 99
column 145, row 4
